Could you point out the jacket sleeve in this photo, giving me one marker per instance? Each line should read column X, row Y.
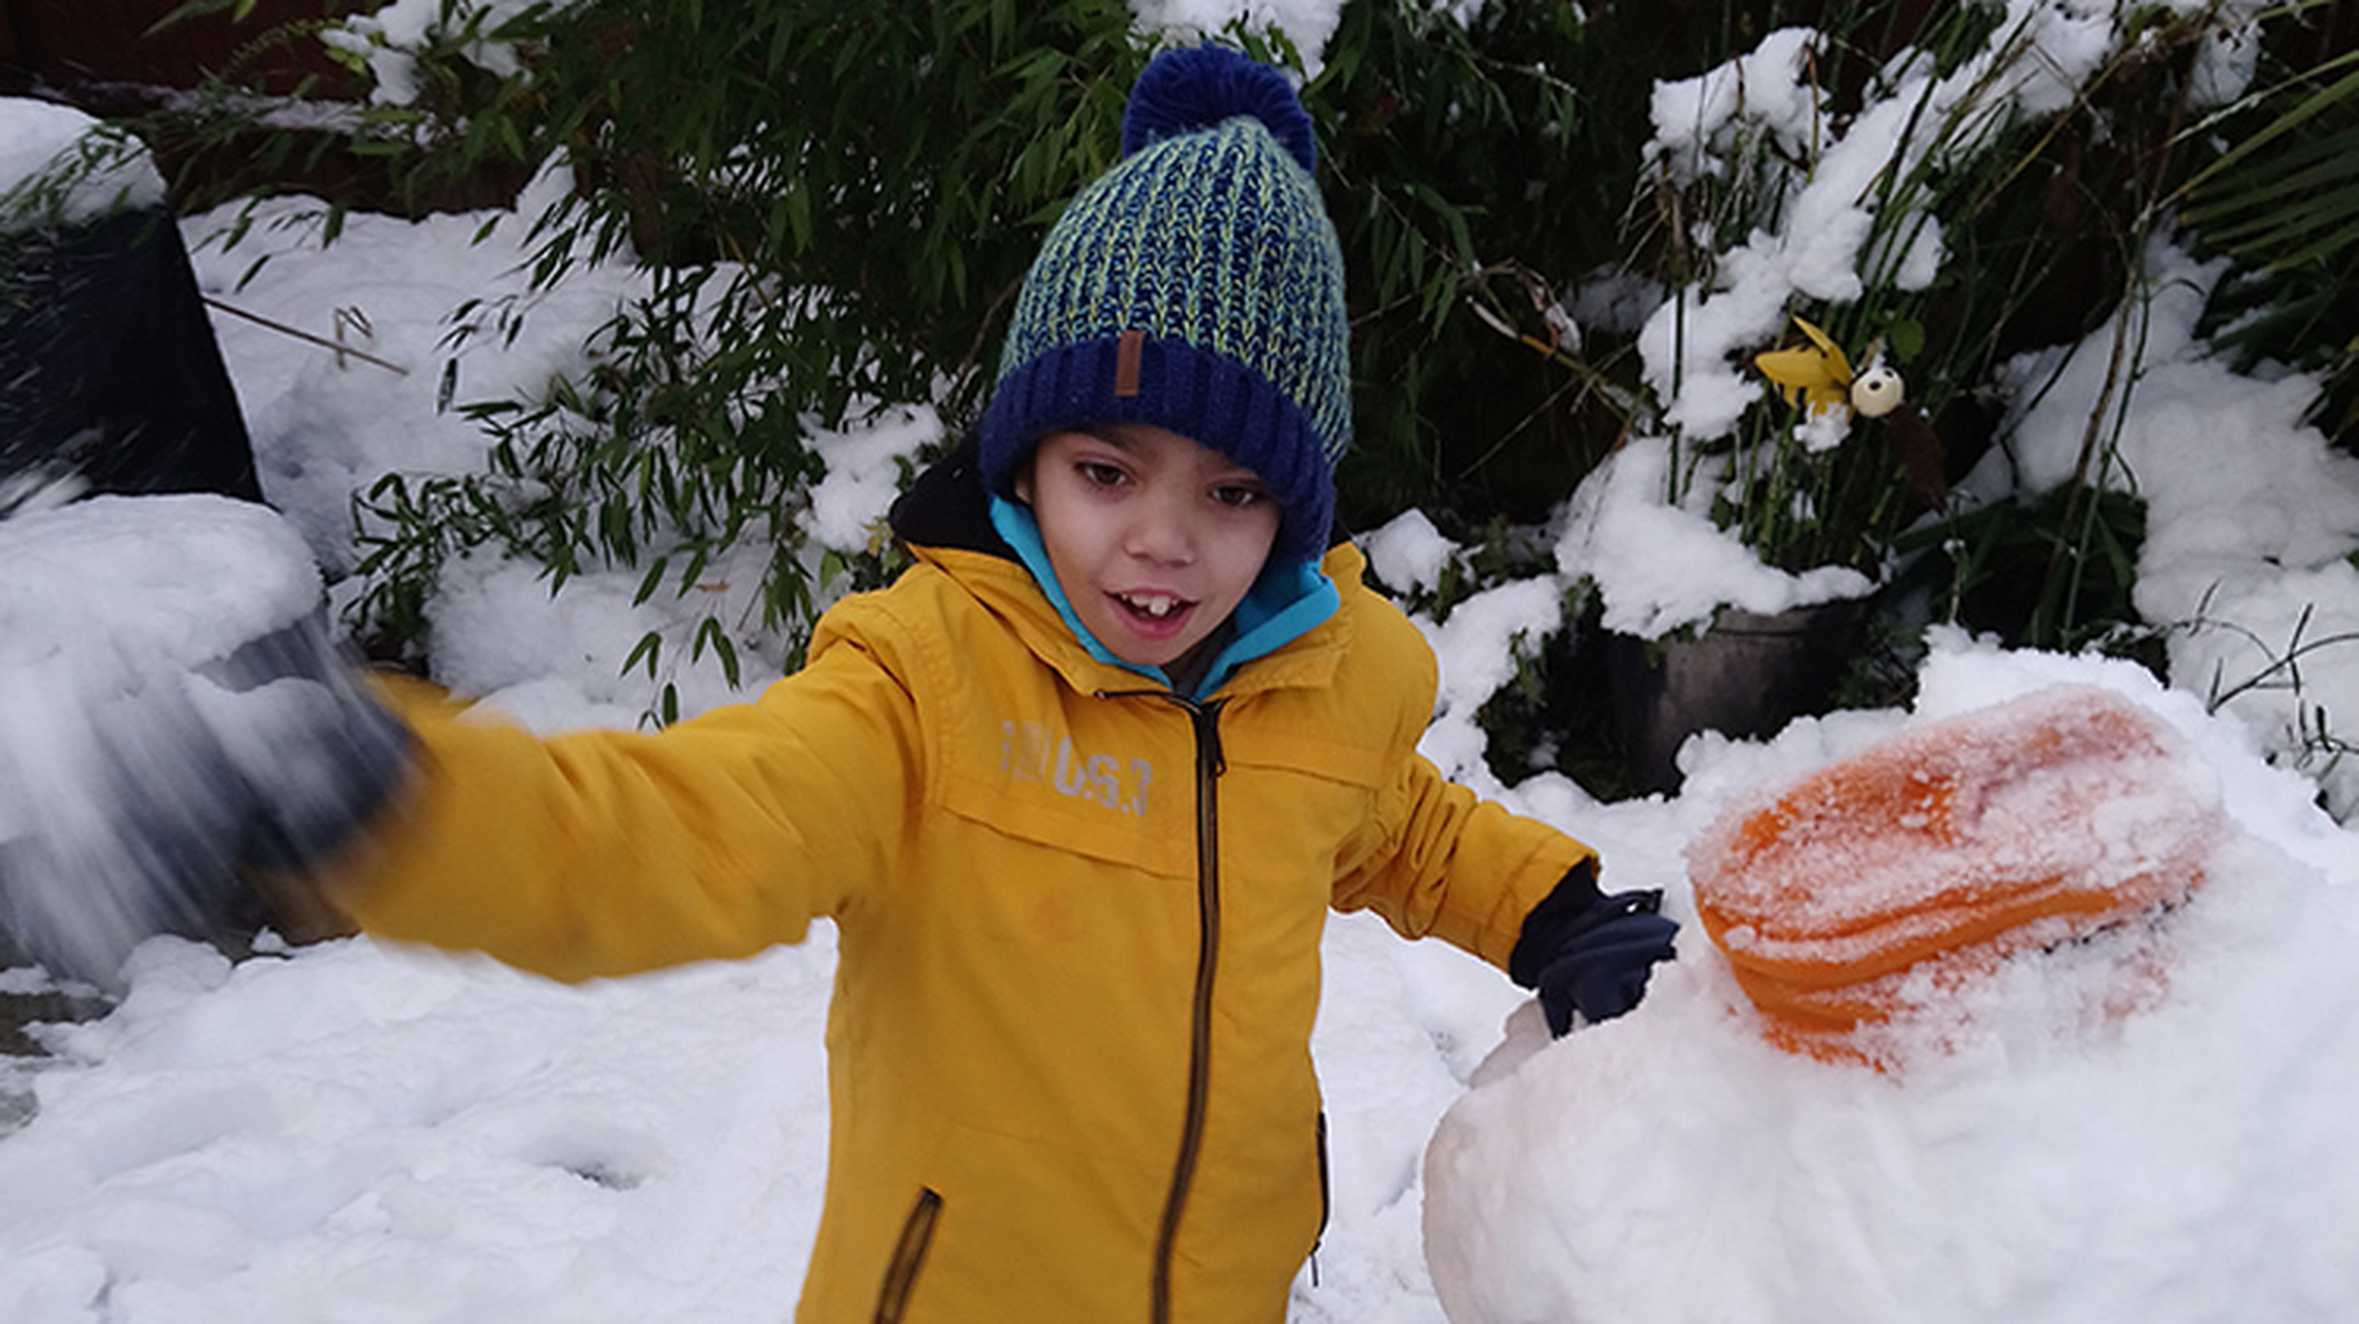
column 606, row 852
column 1456, row 867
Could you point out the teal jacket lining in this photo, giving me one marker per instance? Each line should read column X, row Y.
column 1288, row 601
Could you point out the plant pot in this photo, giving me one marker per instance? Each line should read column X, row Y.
column 1747, row 676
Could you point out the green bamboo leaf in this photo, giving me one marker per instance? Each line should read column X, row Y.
column 728, row 655
column 2322, row 164
column 2324, row 218
column 798, row 214
column 2303, row 112
column 647, row 585
column 2334, row 240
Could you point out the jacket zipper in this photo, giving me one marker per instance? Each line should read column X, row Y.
column 909, row 1253
column 1210, row 764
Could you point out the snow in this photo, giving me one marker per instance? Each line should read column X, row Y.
column 866, row 468
column 325, row 425
column 1408, row 553
column 1817, row 249
column 1697, row 120
column 1660, row 567
column 1820, row 233
column 124, row 582
column 1307, row 23
column 351, row 1131
column 36, row 136
column 388, row 39
column 1481, row 644
column 2245, row 563
column 106, row 607
column 554, row 661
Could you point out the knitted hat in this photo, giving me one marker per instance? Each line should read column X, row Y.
column 1197, row 286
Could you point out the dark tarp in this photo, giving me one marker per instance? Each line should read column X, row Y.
column 108, row 367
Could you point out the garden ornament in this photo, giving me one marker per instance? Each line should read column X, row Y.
column 1877, row 392
column 1818, row 377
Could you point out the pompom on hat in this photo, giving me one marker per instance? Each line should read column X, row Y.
column 1196, row 286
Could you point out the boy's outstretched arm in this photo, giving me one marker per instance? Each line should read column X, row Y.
column 605, row 852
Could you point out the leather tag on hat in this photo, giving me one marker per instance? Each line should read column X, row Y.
column 1126, row 363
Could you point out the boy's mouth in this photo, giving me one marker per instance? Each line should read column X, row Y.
column 1154, row 615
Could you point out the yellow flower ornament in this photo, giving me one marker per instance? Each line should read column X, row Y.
column 1817, row 379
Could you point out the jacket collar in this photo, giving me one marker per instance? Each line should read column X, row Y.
column 1290, row 633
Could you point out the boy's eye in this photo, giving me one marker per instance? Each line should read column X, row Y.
column 1098, row 474
column 1239, row 496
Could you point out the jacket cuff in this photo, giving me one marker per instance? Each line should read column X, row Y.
column 1575, row 894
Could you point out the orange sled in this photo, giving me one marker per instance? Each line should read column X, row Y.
column 1944, row 850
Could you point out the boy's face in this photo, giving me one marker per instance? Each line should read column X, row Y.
column 1155, row 539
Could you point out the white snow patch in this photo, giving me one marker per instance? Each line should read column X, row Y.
column 327, row 426
column 1408, row 553
column 120, row 583
column 865, row 464
column 1306, row 23
column 2252, row 518
column 37, row 136
column 1660, row 568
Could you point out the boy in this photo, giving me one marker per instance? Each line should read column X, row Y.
column 1078, row 790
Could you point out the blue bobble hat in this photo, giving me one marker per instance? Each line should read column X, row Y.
column 1197, row 286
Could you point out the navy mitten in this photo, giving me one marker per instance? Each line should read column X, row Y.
column 1588, row 951
column 145, row 810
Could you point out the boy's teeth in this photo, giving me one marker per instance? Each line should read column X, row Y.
column 1153, row 606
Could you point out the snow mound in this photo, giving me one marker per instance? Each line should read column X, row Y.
column 2061, row 1162
column 132, row 582
column 2008, row 829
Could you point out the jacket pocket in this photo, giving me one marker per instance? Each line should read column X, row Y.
column 1326, row 1189
column 1326, row 1197
column 909, row 1255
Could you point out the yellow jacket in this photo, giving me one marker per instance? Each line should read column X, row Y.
column 1069, row 1067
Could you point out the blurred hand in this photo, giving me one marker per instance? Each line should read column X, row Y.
column 125, row 815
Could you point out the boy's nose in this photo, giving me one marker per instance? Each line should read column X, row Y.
column 1162, row 534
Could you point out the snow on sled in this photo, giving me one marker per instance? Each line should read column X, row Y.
column 2117, row 1018
column 1925, row 860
